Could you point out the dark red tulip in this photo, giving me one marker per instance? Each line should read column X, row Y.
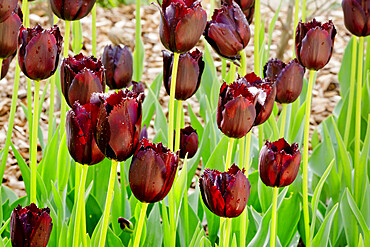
column 30, row 226
column 143, row 133
column 118, row 64
column 119, row 124
column 71, row 10
column 182, row 24
column 279, row 163
column 225, row 193
column 357, row 16
column 188, row 142
column 247, row 7
column 228, row 32
column 8, row 35
column 189, row 74
column 6, row 8
column 80, row 125
column 5, row 66
column 152, row 171
column 314, row 43
column 287, row 77
column 80, row 77
column 136, row 87
column 39, row 50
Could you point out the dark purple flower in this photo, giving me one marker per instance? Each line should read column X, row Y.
column 6, row 8
column 188, row 142
column 126, row 225
column 279, row 163
column 314, row 43
column 143, row 133
column 152, row 171
column 225, row 193
column 247, row 7
column 190, row 70
column 71, row 10
column 9, row 29
column 357, row 16
column 136, row 87
column 5, row 66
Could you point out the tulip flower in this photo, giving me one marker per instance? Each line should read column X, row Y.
column 152, row 171
column 8, row 35
column 247, row 7
column 6, row 8
column 80, row 125
column 357, row 16
column 190, row 70
column 287, row 77
column 228, row 32
column 225, row 193
column 118, row 64
column 182, row 24
column 188, row 142
column 314, row 43
column 126, row 225
column 71, row 10
column 143, row 133
column 30, row 226
column 5, row 66
column 279, row 163
column 137, row 87
column 119, row 123
column 80, row 77
column 39, row 50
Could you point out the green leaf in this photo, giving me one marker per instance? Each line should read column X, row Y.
column 264, row 195
column 322, row 236
column 154, row 233
column 63, row 163
column 218, row 157
column 195, row 122
column 344, row 75
column 148, row 106
column 77, row 36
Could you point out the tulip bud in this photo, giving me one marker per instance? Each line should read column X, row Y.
column 118, row 64
column 225, row 193
column 143, row 133
column 119, row 124
column 8, row 35
column 188, row 142
column 228, row 32
column 279, row 163
column 39, row 50
column 152, row 171
column 182, row 24
column 287, row 77
column 71, row 10
column 80, row 77
column 5, row 66
column 137, row 87
column 30, row 226
column 6, row 8
column 357, row 16
column 314, row 43
column 126, row 225
column 189, row 74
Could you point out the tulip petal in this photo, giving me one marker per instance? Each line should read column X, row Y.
column 237, row 195
column 41, row 231
column 8, row 35
column 227, row 44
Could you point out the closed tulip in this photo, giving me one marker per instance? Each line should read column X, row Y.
column 357, row 16
column 6, row 8
column 152, row 171
column 247, row 7
column 279, row 163
column 314, row 43
column 81, row 77
column 225, row 193
column 71, row 10
column 188, row 142
column 9, row 35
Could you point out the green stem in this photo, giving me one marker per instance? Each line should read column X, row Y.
column 178, row 125
column 211, row 9
column 274, row 217
column 247, row 153
column 13, row 109
column 257, row 27
column 232, row 72
column 51, row 108
column 351, row 92
column 186, row 210
column 228, row 232
column 29, row 108
column 296, row 13
column 77, row 180
column 223, row 68
column 229, row 153
column 108, row 203
column 359, row 168
column 137, row 38
column 283, row 120
column 305, row 158
column 1, row 65
column 93, row 13
column 123, row 188
column 26, row 21
column 304, row 11
column 241, row 151
column 243, row 63
column 66, row 38
column 34, row 141
column 171, row 116
column 260, row 136
column 140, row 225
column 80, row 208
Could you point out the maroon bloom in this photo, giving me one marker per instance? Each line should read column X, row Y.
column 189, row 74
column 119, row 123
column 152, row 171
column 357, row 16
column 30, row 226
column 182, row 24
column 287, row 77
column 188, row 142
column 39, row 50
column 6, row 8
column 143, row 133
column 5, row 66
column 8, row 35
column 80, row 77
column 279, row 163
column 314, row 43
column 228, row 32
column 225, row 193
column 118, row 64
column 247, row 7
column 71, row 10
column 80, row 125
column 136, row 87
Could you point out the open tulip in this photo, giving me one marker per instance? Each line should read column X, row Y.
column 190, row 70
column 152, row 171
column 71, row 10
column 39, row 50
column 228, row 32
column 279, row 163
column 357, row 16
column 80, row 77
column 30, row 226
column 6, row 8
column 225, row 193
column 119, row 123
column 314, row 43
column 182, row 24
column 287, row 77
column 9, row 34
column 118, row 64
column 188, row 142
column 5, row 66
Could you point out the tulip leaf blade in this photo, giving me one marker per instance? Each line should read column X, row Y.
column 154, row 233
column 139, row 54
column 344, row 75
column 148, row 106
column 63, row 167
column 322, row 236
column 218, row 156
column 195, row 122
